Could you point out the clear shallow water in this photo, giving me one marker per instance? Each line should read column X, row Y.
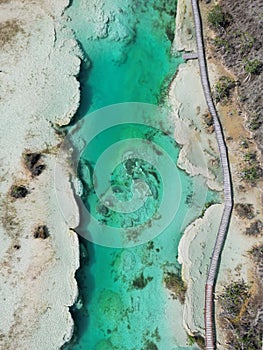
column 130, row 58
column 125, row 304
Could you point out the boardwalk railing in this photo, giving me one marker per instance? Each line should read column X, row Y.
column 210, row 331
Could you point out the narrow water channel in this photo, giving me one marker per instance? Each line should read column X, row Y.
column 129, row 58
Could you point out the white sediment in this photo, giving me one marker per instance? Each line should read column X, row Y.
column 199, row 153
column 194, row 253
column 38, row 88
column 185, row 32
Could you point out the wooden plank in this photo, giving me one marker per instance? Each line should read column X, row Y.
column 190, row 56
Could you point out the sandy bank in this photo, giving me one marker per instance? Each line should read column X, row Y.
column 199, row 154
column 39, row 63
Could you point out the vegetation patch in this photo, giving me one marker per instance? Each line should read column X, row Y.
column 251, row 174
column 239, row 317
column 217, row 18
column 253, row 66
column 244, row 210
column 9, row 30
column 255, row 121
column 32, row 163
column 207, row 205
column 221, row 44
column 222, row 89
column 250, row 157
column 18, row 191
column 244, row 144
column 252, row 170
column 255, row 229
column 150, row 346
column 41, row 231
column 208, row 121
column 238, row 42
column 141, row 282
column 233, row 298
column 257, row 253
column 196, row 339
column 176, row 285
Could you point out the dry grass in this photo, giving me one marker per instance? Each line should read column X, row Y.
column 9, row 218
column 9, row 30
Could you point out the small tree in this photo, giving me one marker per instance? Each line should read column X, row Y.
column 233, row 298
column 252, row 173
column 255, row 121
column 222, row 88
column 253, row 66
column 217, row 18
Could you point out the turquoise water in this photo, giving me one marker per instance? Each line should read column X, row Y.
column 127, row 47
column 133, row 62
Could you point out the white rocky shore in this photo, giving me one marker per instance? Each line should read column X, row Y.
column 38, row 87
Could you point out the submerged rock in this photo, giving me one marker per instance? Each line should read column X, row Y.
column 83, row 253
column 141, row 282
column 102, row 210
column 176, row 285
column 79, row 303
column 150, row 346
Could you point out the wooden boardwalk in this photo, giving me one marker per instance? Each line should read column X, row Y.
column 210, row 331
column 190, row 56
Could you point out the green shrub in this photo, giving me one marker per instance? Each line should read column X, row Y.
column 233, row 298
column 207, row 205
column 244, row 143
column 217, row 18
column 239, row 316
column 250, row 157
column 254, row 122
column 18, row 191
column 196, row 339
column 253, row 66
column 251, row 174
column 257, row 253
column 247, row 42
column 222, row 88
column 221, row 43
